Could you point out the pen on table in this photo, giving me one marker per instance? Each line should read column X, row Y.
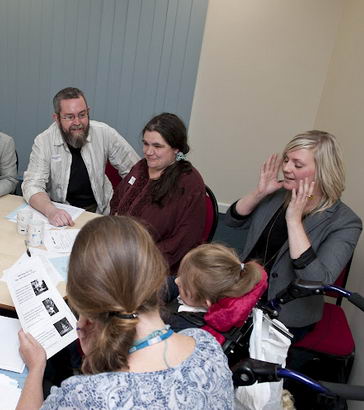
column 28, row 251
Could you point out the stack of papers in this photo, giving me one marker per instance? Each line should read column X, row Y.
column 9, row 360
column 60, row 240
column 56, row 264
column 9, row 392
column 9, row 353
column 72, row 210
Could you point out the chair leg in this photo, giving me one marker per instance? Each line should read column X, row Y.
column 348, row 366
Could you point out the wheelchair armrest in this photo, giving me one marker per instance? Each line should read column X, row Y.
column 300, row 288
column 297, row 289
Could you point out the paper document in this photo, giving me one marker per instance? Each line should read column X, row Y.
column 59, row 270
column 9, row 393
column 60, row 263
column 60, row 240
column 40, row 307
column 55, row 264
column 10, row 358
column 18, row 377
column 72, row 210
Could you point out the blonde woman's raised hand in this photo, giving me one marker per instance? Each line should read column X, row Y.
column 268, row 181
column 300, row 201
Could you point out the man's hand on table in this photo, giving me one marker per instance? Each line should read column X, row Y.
column 58, row 217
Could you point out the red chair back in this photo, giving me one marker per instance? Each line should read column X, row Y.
column 333, row 323
column 113, row 175
column 212, row 215
column 331, row 340
column 340, row 281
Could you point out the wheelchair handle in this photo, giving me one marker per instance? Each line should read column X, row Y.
column 250, row 371
column 348, row 392
column 357, row 300
column 300, row 288
column 296, row 289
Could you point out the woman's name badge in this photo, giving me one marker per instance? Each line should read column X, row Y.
column 131, row 180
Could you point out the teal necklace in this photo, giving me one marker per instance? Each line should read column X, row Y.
column 155, row 337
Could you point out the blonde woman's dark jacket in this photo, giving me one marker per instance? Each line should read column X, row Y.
column 333, row 234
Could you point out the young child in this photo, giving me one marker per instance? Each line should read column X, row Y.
column 214, row 283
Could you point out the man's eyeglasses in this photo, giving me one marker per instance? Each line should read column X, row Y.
column 71, row 117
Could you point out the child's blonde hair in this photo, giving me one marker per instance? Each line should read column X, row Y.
column 214, row 271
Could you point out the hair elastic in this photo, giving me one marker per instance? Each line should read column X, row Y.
column 242, row 266
column 133, row 315
column 180, row 156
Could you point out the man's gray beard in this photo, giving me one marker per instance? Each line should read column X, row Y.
column 75, row 142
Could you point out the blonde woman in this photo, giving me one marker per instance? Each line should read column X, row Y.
column 132, row 359
column 298, row 227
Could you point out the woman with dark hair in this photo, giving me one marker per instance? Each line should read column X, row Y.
column 132, row 359
column 164, row 190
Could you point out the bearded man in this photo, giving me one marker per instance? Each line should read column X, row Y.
column 67, row 162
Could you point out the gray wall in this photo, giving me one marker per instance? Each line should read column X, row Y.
column 133, row 59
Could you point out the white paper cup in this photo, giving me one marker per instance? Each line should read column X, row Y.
column 35, row 232
column 23, row 219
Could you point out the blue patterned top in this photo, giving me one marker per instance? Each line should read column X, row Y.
column 202, row 381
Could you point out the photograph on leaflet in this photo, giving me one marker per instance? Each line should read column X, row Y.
column 50, row 306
